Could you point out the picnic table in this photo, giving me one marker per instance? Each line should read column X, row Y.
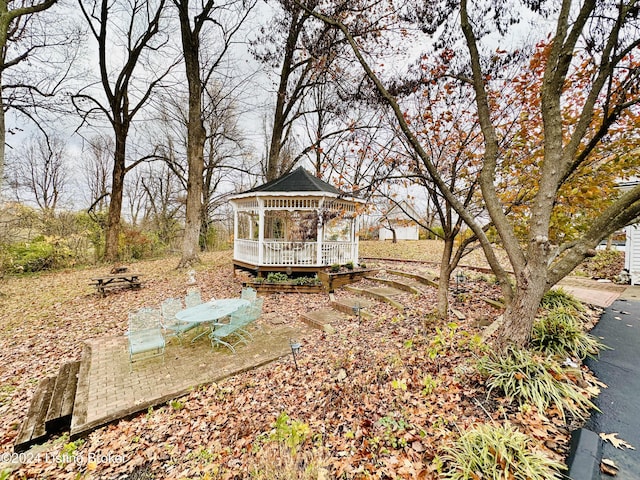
column 125, row 280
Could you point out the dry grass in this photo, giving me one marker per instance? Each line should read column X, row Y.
column 420, row 250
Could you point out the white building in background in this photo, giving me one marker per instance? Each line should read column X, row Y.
column 632, row 243
column 632, row 253
column 399, row 219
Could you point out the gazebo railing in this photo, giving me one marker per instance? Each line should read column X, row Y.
column 246, row 250
column 281, row 253
column 289, row 253
column 337, row 253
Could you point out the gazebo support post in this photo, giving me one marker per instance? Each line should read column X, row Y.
column 319, row 234
column 261, row 231
column 355, row 242
column 235, row 234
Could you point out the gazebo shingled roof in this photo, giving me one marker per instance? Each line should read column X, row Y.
column 298, row 180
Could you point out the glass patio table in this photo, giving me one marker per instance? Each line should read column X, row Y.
column 211, row 311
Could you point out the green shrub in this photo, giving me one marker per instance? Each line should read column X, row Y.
column 435, row 233
column 306, row 281
column 39, row 255
column 559, row 332
column 277, row 277
column 498, row 452
column 286, row 431
column 335, row 268
column 533, row 379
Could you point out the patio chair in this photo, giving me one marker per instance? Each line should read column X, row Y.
column 170, row 324
column 222, row 333
column 192, row 298
column 249, row 293
column 145, row 334
column 247, row 316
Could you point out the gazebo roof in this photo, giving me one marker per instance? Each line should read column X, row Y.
column 297, row 181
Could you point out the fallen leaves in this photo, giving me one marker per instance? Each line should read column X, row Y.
column 615, row 441
column 609, row 467
column 372, row 395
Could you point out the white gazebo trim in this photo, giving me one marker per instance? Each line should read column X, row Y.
column 299, row 254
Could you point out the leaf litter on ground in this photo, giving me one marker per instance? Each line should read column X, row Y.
column 380, row 398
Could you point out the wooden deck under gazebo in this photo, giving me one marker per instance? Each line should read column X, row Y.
column 296, row 223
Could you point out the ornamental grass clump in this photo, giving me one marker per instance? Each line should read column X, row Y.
column 559, row 332
column 498, row 452
column 532, row 378
column 559, row 298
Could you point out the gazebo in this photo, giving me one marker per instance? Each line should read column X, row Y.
column 296, row 223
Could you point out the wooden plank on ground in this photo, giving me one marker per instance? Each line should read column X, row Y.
column 405, row 287
column 63, row 397
column 419, row 278
column 33, row 428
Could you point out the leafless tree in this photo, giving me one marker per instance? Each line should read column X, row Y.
column 29, row 69
column 301, row 50
column 97, row 168
column 226, row 18
column 164, row 201
column 133, row 29
column 40, row 171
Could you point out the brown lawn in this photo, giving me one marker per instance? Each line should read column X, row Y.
column 379, row 398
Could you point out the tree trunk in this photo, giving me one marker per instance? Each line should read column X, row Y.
column 283, row 107
column 196, row 137
column 111, row 253
column 443, row 291
column 445, row 275
column 3, row 137
column 531, row 285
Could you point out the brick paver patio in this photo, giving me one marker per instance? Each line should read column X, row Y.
column 108, row 390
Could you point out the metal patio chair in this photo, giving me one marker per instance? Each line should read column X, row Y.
column 170, row 324
column 192, row 298
column 144, row 334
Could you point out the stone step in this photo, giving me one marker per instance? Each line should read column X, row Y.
column 63, row 398
column 321, row 319
column 347, row 305
column 33, row 429
column 400, row 285
column 383, row 294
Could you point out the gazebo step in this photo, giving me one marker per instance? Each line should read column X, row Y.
column 33, row 429
column 63, row 398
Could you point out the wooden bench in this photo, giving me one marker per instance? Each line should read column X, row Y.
column 125, row 280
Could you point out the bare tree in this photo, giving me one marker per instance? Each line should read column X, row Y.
column 136, row 197
column 22, row 38
column 228, row 18
column 302, row 50
column 164, row 201
column 41, row 171
column 136, row 25
column 97, row 169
